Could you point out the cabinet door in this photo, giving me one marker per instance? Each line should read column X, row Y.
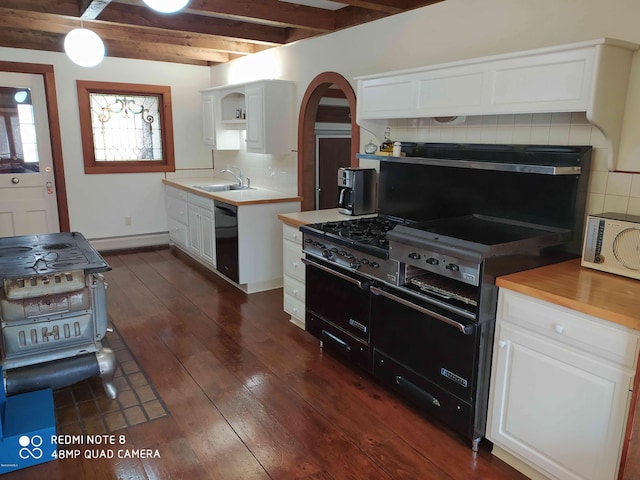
column 195, row 235
column 208, row 245
column 208, row 123
column 559, row 410
column 254, row 98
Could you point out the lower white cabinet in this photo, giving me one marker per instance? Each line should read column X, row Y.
column 177, row 215
column 294, row 276
column 202, row 228
column 191, row 220
column 560, row 389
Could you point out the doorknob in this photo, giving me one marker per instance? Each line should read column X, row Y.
column 15, row 180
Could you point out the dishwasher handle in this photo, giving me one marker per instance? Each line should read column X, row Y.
column 226, row 210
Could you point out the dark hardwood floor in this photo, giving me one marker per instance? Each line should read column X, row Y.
column 251, row 396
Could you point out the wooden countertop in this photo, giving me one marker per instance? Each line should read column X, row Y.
column 297, row 219
column 233, row 197
column 603, row 295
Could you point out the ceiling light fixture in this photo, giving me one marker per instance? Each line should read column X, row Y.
column 166, row 6
column 84, row 47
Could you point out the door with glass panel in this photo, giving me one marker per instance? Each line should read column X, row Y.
column 28, row 203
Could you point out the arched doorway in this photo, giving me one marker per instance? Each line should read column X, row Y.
column 306, row 132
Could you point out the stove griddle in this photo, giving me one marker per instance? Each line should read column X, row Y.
column 29, row 255
column 484, row 235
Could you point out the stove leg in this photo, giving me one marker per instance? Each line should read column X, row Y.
column 475, row 443
column 107, row 362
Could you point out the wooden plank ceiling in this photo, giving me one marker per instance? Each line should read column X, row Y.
column 206, row 32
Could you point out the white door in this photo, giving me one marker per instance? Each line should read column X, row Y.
column 28, row 203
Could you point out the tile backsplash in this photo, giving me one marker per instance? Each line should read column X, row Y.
column 608, row 191
column 274, row 172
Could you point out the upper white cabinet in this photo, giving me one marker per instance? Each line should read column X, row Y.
column 589, row 77
column 259, row 114
column 208, row 121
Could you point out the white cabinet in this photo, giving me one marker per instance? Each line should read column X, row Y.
column 560, row 388
column 208, row 121
column 259, row 115
column 202, row 229
column 191, row 221
column 589, row 77
column 260, row 244
column 177, row 215
column 294, row 277
column 271, row 118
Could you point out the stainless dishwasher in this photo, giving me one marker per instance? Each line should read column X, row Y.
column 226, row 225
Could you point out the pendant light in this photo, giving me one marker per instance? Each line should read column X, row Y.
column 166, row 6
column 84, row 47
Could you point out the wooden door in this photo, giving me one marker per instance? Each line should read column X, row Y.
column 28, row 202
column 333, row 152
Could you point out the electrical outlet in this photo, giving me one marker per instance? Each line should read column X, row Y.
column 127, row 221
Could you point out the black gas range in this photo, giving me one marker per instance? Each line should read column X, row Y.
column 357, row 245
column 410, row 295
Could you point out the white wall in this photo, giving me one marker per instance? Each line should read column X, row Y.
column 447, row 31
column 98, row 204
column 456, row 30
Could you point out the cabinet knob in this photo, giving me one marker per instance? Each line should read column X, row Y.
column 295, row 236
column 295, row 264
column 559, row 329
column 502, row 343
column 295, row 292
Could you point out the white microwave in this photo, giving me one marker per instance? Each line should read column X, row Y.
column 612, row 244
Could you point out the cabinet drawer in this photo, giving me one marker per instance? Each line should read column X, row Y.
column 293, row 266
column 294, row 288
column 292, row 234
column 177, row 210
column 294, row 307
column 338, row 341
column 176, row 193
column 590, row 334
column 202, row 202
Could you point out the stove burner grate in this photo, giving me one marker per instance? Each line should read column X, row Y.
column 56, row 246
column 13, row 251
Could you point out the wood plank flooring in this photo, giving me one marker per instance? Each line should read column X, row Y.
column 251, row 396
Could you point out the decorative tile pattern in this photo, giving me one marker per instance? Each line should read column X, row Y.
column 84, row 408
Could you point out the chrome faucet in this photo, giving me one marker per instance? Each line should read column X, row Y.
column 238, row 177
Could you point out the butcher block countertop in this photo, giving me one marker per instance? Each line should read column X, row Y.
column 297, row 219
column 233, row 197
column 603, row 295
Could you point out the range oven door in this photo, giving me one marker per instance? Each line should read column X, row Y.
column 338, row 310
column 427, row 354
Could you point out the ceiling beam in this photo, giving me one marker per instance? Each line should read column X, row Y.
column 269, row 11
column 185, row 22
column 90, row 9
column 203, row 48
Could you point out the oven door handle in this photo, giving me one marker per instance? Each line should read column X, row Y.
column 339, row 343
column 347, row 278
column 466, row 329
column 416, row 391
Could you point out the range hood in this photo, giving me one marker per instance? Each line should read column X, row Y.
column 590, row 77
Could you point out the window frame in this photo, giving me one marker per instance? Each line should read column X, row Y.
column 91, row 166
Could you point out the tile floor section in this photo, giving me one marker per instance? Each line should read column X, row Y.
column 84, row 408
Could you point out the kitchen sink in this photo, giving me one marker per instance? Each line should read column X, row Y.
column 222, row 187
